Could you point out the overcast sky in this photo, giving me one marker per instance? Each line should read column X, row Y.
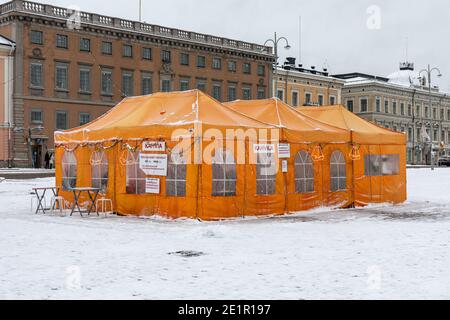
column 359, row 35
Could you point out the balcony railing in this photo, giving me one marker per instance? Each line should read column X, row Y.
column 117, row 23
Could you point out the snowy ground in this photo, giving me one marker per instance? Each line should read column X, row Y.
column 381, row 252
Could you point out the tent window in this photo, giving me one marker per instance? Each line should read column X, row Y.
column 176, row 175
column 338, row 170
column 381, row 165
column 266, row 174
column 69, row 170
column 135, row 176
column 224, row 174
column 304, row 173
column 99, row 171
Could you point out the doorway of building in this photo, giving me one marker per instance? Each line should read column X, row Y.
column 36, row 155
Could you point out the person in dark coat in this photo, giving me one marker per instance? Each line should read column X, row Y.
column 47, row 160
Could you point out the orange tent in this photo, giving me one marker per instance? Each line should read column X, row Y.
column 379, row 155
column 306, row 137
column 170, row 154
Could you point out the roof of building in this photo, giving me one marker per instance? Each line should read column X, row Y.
column 4, row 41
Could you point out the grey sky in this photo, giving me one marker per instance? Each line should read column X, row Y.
column 334, row 31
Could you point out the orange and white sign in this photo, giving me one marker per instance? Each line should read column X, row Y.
column 151, row 146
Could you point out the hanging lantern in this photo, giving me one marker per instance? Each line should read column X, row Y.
column 317, row 153
column 355, row 154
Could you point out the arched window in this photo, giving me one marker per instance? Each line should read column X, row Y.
column 338, row 172
column 135, row 176
column 176, row 175
column 224, row 174
column 99, row 171
column 304, row 173
column 266, row 174
column 69, row 170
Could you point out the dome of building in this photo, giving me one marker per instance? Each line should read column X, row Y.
column 406, row 76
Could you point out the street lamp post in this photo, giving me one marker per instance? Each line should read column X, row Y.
column 275, row 42
column 429, row 72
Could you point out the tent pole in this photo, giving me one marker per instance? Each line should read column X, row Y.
column 353, row 202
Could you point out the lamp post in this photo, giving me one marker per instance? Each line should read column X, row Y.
column 275, row 42
column 428, row 72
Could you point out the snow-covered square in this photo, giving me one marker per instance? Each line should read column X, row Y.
column 380, row 252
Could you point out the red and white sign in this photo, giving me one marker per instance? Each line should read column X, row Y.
column 153, row 164
column 151, row 146
column 152, row 186
column 284, row 151
column 264, row 148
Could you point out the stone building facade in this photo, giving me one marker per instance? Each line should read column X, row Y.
column 400, row 102
column 70, row 67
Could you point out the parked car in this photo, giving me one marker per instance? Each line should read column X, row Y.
column 444, row 161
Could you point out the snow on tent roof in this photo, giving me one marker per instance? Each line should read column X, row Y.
column 300, row 127
column 364, row 132
column 157, row 115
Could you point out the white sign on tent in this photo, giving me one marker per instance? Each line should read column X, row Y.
column 153, row 164
column 152, row 186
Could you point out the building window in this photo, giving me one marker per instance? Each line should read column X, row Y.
column 320, row 99
column 184, row 84
column 417, row 110
column 280, row 94
column 85, row 45
column 61, row 120
column 261, row 93
column 107, row 48
column 85, row 80
column 266, row 176
column 166, row 56
column 201, row 61
column 176, row 175
column 247, row 93
column 217, row 63
column 36, row 75
column 332, row 100
column 201, row 85
column 37, row 37
column 135, row 176
column 147, row 53
column 307, row 99
column 85, row 118
column 69, row 170
column 338, row 172
column 378, row 105
column 409, row 110
column 127, row 51
column 410, row 133
column 363, row 105
column 146, row 82
column 127, row 83
column 304, row 173
column 426, row 112
column 232, row 66
column 184, row 59
column 62, row 41
column 261, row 70
column 166, row 85
column 381, row 165
column 402, row 109
column 434, row 113
column 61, row 77
column 448, row 114
column 224, row 174
column 107, row 88
column 386, row 106
column 36, row 116
column 350, row 105
column 232, row 93
column 394, row 107
column 217, row 92
column 294, row 98
column 99, row 171
column 442, row 115
column 247, row 68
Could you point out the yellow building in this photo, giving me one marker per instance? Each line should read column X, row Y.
column 299, row 86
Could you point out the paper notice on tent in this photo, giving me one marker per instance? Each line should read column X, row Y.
column 284, row 151
column 153, row 164
column 152, row 146
column 264, row 148
column 152, row 186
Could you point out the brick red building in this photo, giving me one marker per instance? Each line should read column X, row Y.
column 69, row 71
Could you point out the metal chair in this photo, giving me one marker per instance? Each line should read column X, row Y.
column 61, row 204
column 104, row 202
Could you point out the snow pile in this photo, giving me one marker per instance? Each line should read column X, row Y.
column 393, row 252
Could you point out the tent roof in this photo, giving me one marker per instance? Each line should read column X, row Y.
column 300, row 127
column 159, row 113
column 364, row 132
